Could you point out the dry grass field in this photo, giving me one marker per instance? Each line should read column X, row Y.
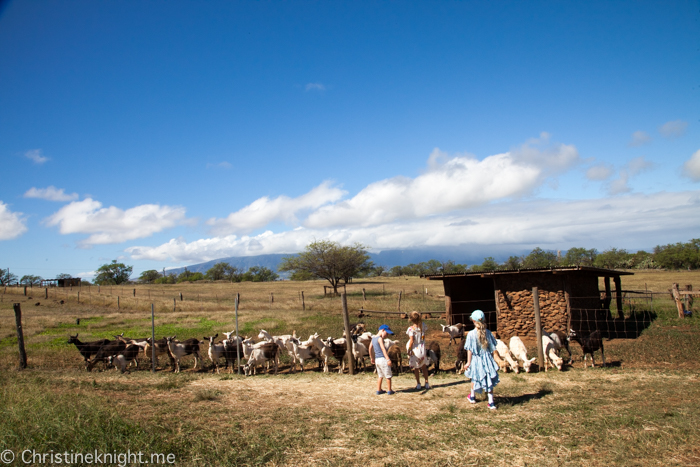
column 640, row 410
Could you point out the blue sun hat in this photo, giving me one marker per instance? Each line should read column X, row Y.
column 477, row 315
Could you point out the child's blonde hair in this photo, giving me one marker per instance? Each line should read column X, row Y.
column 481, row 332
column 415, row 317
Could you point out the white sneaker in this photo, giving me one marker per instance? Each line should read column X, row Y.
column 418, row 388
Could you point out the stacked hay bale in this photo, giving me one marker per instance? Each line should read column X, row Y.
column 516, row 315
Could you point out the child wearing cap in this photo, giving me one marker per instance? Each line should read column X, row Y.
column 481, row 367
column 380, row 359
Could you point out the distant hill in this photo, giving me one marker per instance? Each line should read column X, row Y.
column 386, row 258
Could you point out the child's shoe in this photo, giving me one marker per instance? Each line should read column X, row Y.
column 380, row 392
column 390, row 393
column 427, row 386
column 492, row 406
column 418, row 388
column 471, row 399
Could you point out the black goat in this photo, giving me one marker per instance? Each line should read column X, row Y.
column 589, row 343
column 110, row 349
column 462, row 356
column 432, row 349
column 87, row 349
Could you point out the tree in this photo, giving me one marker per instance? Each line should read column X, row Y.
column 580, row 257
column 113, row 273
column 223, row 271
column 489, row 264
column 167, row 279
column 31, row 280
column 679, row 256
column 539, row 258
column 513, row 262
column 613, row 259
column 64, row 275
column 328, row 260
column 260, row 274
column 149, row 276
column 6, row 277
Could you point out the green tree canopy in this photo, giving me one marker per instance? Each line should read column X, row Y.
column 539, row 258
column 580, row 257
column 6, row 277
column 328, row 260
column 149, row 276
column 64, row 275
column 223, row 271
column 113, row 273
column 260, row 274
column 612, row 259
column 31, row 280
column 513, row 262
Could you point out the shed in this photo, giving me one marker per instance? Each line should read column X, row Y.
column 69, row 282
column 569, row 298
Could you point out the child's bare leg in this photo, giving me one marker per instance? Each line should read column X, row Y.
column 416, row 373
column 388, row 382
column 379, row 383
column 425, row 373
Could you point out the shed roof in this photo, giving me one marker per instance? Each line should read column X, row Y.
column 587, row 270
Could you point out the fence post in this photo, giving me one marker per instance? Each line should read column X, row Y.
column 174, row 302
column 348, row 338
column 364, row 298
column 238, row 345
column 153, row 339
column 538, row 328
column 677, row 299
column 689, row 298
column 399, row 306
column 303, row 303
column 20, row 336
column 134, row 292
column 117, row 302
column 46, row 293
column 180, row 296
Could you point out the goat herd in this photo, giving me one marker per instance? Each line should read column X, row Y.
column 123, row 351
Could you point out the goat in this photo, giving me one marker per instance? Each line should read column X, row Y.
column 161, row 347
column 454, row 331
column 462, row 356
column 128, row 355
column 303, row 352
column 87, row 349
column 216, row 351
column 339, row 349
column 396, row 359
column 359, row 352
column 266, row 353
column 550, row 353
column 323, row 348
column 589, row 344
column 432, row 351
column 177, row 350
column 110, row 349
column 560, row 340
column 503, row 352
column 520, row 352
column 358, row 329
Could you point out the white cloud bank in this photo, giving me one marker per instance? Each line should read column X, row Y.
column 50, row 193
column 11, row 223
column 114, row 225
column 692, row 167
column 638, row 219
column 673, row 129
column 639, row 138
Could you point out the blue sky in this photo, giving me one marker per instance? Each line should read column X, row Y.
column 169, row 133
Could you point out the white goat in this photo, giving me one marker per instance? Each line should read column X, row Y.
column 455, row 331
column 267, row 353
column 504, row 352
column 323, row 348
column 519, row 350
column 550, row 353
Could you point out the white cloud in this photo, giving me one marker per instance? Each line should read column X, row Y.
column 620, row 185
column 632, row 168
column 639, row 138
column 50, row 193
column 673, row 129
column 599, row 172
column 644, row 220
column 283, row 208
column 11, row 223
column 114, row 225
column 692, row 167
column 315, row 87
column 35, row 155
column 448, row 184
column 220, row 165
column 638, row 165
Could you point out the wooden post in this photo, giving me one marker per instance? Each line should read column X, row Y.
column 46, row 293
column 303, row 303
column 677, row 299
column 272, row 299
column 78, row 297
column 324, row 290
column 345, row 290
column 496, row 294
column 180, row 296
column 25, row 290
column 174, row 303
column 153, row 339
column 364, row 297
column 238, row 347
column 538, row 327
column 348, row 339
column 20, row 336
column 448, row 310
column 618, row 297
column 568, row 313
column 689, row 298
column 608, row 294
column 117, row 302
column 399, row 306
column 134, row 292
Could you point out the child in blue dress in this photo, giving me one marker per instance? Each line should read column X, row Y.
column 482, row 369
